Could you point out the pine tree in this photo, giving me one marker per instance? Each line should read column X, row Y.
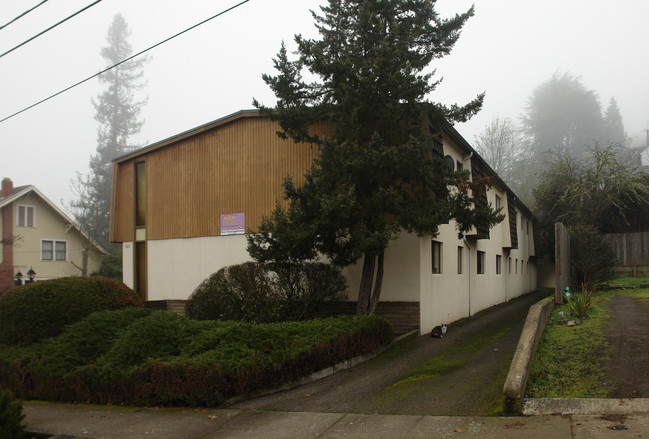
column 375, row 175
column 117, row 111
column 613, row 125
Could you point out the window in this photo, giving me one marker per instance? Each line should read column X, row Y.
column 498, row 202
column 522, row 267
column 516, row 267
column 509, row 263
column 499, row 261
column 25, row 216
column 460, row 250
column 436, row 251
column 54, row 250
column 527, row 225
column 459, row 166
column 480, row 262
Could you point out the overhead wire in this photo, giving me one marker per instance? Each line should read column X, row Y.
column 22, row 15
column 51, row 27
column 123, row 61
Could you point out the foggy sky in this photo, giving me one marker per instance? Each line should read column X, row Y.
column 507, row 49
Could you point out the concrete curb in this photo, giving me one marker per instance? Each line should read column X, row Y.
column 347, row 364
column 585, row 406
column 514, row 389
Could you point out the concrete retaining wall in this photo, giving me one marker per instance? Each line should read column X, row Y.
column 519, row 370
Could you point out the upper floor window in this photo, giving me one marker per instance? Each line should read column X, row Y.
column 25, row 216
column 54, row 250
column 498, row 202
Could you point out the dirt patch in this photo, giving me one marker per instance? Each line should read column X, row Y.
column 628, row 337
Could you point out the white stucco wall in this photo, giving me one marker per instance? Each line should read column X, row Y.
column 177, row 266
column 401, row 280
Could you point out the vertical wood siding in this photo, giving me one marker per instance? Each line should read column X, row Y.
column 234, row 168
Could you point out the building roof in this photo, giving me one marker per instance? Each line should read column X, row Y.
column 20, row 191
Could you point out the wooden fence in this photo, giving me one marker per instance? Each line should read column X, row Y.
column 631, row 251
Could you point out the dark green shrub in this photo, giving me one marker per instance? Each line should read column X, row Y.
column 592, row 260
column 111, row 265
column 304, row 288
column 238, row 292
column 253, row 292
column 42, row 309
column 11, row 416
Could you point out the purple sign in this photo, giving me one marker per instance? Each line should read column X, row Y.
column 233, row 224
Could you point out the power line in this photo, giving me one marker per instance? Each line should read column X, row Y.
column 123, row 61
column 22, row 15
column 51, row 27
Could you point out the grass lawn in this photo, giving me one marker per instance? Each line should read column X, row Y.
column 571, row 361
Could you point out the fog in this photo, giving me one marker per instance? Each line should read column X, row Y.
column 506, row 50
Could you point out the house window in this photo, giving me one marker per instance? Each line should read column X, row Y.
column 522, row 267
column 516, row 267
column 499, row 261
column 509, row 263
column 436, row 250
column 480, row 262
column 459, row 166
column 54, row 250
column 25, row 216
column 498, row 202
column 527, row 225
column 460, row 250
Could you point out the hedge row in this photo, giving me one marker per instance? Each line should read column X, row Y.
column 143, row 357
column 40, row 310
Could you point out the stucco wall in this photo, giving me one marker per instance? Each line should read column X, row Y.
column 177, row 266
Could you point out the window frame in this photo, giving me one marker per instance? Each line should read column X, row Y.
column 436, row 252
column 26, row 209
column 480, row 262
column 53, row 252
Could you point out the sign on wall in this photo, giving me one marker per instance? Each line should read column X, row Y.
column 233, row 224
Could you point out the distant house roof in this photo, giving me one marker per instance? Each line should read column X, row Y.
column 20, row 191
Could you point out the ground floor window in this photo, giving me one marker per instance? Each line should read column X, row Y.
column 436, row 251
column 499, row 262
column 480, row 262
column 54, row 250
column 460, row 250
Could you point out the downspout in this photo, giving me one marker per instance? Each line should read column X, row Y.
column 470, row 273
column 464, row 159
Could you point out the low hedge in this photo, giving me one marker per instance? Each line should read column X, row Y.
column 39, row 310
column 144, row 357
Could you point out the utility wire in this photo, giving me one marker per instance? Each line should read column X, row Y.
column 51, row 27
column 123, row 61
column 22, row 15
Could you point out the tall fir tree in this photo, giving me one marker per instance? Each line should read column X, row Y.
column 375, row 175
column 117, row 110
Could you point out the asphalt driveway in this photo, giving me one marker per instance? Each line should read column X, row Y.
column 461, row 374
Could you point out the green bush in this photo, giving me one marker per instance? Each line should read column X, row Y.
column 39, row 310
column 139, row 356
column 253, row 292
column 11, row 416
column 239, row 292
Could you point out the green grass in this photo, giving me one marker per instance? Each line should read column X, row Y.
column 571, row 361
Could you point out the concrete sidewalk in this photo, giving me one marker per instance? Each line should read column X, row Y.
column 98, row 422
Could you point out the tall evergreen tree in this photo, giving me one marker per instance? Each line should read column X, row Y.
column 375, row 175
column 613, row 125
column 117, row 110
